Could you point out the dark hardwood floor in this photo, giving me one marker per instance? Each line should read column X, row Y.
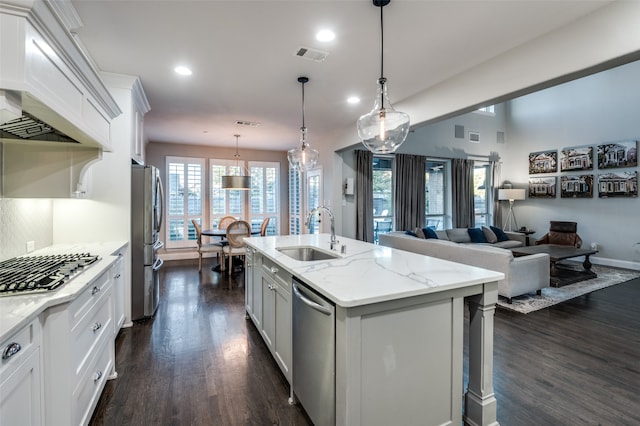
column 199, row 362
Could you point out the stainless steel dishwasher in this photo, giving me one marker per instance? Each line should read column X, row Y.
column 314, row 354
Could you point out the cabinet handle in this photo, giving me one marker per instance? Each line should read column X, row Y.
column 273, row 270
column 117, row 276
column 97, row 326
column 97, row 376
column 95, row 290
column 11, row 350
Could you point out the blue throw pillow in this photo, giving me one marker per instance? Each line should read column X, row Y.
column 499, row 233
column 413, row 234
column 430, row 233
column 476, row 235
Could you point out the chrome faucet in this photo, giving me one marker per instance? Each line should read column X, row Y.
column 333, row 243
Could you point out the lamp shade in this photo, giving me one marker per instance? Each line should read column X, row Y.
column 236, row 182
column 511, row 194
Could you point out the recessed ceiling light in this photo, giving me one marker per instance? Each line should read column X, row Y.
column 325, row 35
column 353, row 99
column 182, row 70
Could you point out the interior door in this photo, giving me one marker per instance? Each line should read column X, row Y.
column 313, row 199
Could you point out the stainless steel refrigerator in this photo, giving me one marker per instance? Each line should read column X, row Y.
column 146, row 218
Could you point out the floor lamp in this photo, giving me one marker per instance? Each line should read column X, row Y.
column 511, row 195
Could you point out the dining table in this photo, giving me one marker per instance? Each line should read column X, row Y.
column 222, row 234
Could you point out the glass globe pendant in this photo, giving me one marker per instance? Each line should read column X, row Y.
column 383, row 129
column 303, row 158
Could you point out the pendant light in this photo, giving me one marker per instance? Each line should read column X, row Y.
column 238, row 181
column 305, row 157
column 383, row 129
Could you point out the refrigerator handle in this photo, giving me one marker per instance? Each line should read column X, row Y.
column 158, row 245
column 160, row 202
column 158, row 264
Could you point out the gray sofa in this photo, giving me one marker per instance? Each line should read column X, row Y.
column 523, row 274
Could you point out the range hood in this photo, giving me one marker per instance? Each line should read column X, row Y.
column 55, row 111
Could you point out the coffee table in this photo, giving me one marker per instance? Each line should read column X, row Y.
column 561, row 274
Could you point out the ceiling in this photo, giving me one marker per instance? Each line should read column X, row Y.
column 242, row 54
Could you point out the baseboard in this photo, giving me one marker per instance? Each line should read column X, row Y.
column 625, row 264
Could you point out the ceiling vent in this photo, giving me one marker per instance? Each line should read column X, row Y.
column 312, row 54
column 247, row 123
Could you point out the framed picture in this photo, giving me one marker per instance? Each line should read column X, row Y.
column 576, row 158
column 543, row 162
column 618, row 184
column 542, row 187
column 618, row 154
column 576, row 186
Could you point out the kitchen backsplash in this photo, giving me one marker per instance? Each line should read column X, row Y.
column 23, row 220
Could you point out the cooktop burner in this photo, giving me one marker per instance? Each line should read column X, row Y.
column 29, row 274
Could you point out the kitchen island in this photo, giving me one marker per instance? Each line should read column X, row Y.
column 399, row 328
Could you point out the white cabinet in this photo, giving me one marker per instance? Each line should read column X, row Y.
column 253, row 286
column 117, row 275
column 128, row 92
column 78, row 352
column 20, row 377
column 276, row 313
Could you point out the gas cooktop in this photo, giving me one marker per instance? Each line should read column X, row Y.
column 31, row 274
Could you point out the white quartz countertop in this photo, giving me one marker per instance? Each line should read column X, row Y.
column 370, row 273
column 17, row 311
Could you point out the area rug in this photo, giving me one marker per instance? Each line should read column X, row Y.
column 607, row 277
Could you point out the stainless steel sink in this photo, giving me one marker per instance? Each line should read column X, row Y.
column 307, row 253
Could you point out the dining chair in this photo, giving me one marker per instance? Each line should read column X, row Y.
column 225, row 221
column 263, row 227
column 236, row 232
column 205, row 248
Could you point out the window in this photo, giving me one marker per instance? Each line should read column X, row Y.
column 185, row 182
column 481, row 185
column 435, row 194
column 295, row 202
column 489, row 110
column 265, row 195
column 225, row 202
column 382, row 196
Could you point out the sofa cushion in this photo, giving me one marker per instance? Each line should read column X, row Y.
column 419, row 233
column 476, row 235
column 458, row 235
column 413, row 234
column 442, row 235
column 430, row 233
column 489, row 235
column 499, row 233
column 508, row 244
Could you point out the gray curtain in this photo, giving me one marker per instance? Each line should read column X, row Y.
column 462, row 191
column 410, row 188
column 364, row 195
column 495, row 179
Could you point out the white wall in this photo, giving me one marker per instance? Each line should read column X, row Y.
column 590, row 111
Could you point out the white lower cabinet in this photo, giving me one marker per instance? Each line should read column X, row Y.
column 21, row 378
column 117, row 273
column 276, row 314
column 79, row 353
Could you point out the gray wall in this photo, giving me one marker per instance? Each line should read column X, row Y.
column 590, row 111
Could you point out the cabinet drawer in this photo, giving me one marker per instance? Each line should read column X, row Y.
column 87, row 334
column 86, row 394
column 279, row 274
column 17, row 347
column 89, row 297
